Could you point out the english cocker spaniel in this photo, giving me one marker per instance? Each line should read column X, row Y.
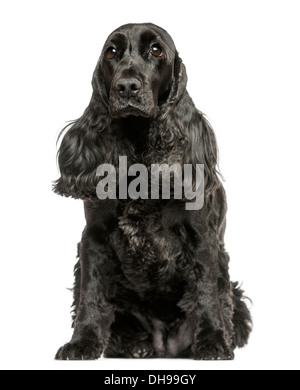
column 152, row 276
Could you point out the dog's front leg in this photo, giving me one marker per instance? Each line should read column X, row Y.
column 202, row 306
column 94, row 313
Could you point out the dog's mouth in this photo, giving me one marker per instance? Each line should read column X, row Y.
column 141, row 105
column 123, row 111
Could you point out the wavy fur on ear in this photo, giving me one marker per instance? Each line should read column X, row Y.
column 80, row 153
column 202, row 148
column 181, row 134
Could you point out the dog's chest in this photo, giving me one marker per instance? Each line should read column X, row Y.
column 151, row 250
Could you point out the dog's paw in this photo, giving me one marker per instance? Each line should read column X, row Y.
column 78, row 351
column 141, row 350
column 213, row 352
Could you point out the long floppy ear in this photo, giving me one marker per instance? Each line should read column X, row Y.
column 183, row 134
column 180, row 80
column 167, row 136
column 202, row 148
column 201, row 145
column 81, row 151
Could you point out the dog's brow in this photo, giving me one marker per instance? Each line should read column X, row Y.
column 149, row 36
column 118, row 39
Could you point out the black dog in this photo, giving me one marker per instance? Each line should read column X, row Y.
column 152, row 278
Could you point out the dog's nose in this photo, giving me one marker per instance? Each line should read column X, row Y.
column 128, row 88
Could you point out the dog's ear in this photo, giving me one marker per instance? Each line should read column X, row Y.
column 83, row 148
column 201, row 145
column 79, row 153
column 166, row 135
column 202, row 148
column 183, row 135
column 98, row 84
column 179, row 81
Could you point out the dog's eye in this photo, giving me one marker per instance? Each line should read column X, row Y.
column 111, row 53
column 156, row 50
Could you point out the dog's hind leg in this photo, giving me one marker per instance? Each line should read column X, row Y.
column 129, row 338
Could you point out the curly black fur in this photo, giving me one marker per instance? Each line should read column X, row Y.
column 152, row 278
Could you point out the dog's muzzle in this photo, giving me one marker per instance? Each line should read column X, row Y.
column 128, row 96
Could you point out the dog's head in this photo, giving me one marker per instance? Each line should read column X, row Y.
column 139, row 74
column 136, row 70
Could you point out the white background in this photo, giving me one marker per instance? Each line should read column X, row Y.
column 243, row 63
